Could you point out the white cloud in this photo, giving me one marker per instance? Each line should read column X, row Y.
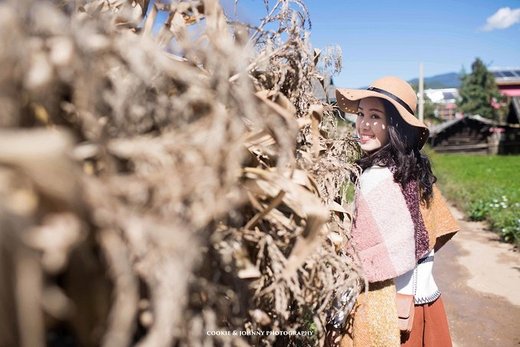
column 502, row 19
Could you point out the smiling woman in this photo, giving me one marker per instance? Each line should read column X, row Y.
column 400, row 220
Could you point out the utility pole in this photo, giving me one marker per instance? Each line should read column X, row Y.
column 421, row 92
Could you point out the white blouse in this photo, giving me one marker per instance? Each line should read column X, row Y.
column 419, row 281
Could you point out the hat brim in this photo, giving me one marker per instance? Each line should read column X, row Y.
column 348, row 101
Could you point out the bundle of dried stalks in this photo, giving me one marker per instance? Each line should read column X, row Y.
column 159, row 186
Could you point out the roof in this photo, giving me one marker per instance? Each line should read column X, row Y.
column 437, row 129
column 506, row 75
column 442, row 95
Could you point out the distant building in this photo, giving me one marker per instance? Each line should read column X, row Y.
column 324, row 89
column 507, row 80
column 477, row 134
column 445, row 101
column 466, row 134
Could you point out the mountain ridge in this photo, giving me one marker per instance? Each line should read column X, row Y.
column 445, row 80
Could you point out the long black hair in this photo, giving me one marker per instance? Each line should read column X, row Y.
column 401, row 154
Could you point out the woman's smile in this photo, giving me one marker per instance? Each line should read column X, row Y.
column 364, row 138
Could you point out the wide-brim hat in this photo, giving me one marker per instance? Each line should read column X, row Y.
column 398, row 92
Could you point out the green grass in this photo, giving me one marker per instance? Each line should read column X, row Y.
column 485, row 187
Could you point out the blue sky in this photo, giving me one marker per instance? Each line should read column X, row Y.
column 392, row 37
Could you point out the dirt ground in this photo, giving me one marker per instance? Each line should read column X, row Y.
column 479, row 278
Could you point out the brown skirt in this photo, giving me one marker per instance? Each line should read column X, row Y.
column 430, row 327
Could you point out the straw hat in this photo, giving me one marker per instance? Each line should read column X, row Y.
column 393, row 89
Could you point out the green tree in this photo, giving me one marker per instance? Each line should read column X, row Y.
column 429, row 111
column 478, row 90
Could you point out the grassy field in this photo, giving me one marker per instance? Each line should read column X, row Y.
column 485, row 187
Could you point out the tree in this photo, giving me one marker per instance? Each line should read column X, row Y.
column 429, row 111
column 478, row 91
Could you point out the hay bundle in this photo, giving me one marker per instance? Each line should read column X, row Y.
column 160, row 186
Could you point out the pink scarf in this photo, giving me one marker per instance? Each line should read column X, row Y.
column 388, row 234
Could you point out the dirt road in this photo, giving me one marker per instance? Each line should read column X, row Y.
column 480, row 280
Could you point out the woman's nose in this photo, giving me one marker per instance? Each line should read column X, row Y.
column 365, row 124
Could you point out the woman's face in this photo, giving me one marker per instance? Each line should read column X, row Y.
column 372, row 124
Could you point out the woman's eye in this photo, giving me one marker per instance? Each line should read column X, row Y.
column 375, row 116
column 360, row 114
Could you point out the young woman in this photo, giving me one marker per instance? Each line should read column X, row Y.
column 400, row 221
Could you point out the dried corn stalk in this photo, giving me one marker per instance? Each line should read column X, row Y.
column 155, row 187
